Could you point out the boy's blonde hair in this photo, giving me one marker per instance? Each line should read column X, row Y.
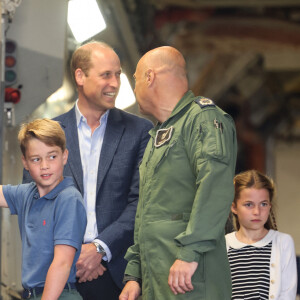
column 257, row 180
column 45, row 130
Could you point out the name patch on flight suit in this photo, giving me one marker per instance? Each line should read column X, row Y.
column 163, row 136
column 203, row 102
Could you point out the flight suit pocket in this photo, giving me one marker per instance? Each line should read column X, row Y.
column 200, row 272
column 161, row 249
column 164, row 155
column 215, row 143
column 221, row 150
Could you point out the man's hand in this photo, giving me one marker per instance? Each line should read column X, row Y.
column 89, row 265
column 131, row 291
column 180, row 276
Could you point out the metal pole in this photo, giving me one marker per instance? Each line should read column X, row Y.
column 2, row 99
column 2, row 87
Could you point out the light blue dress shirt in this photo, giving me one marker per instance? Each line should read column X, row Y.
column 90, row 148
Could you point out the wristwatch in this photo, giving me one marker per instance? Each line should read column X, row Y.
column 99, row 249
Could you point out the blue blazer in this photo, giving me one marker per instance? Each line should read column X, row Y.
column 124, row 142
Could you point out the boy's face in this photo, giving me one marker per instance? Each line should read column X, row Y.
column 45, row 165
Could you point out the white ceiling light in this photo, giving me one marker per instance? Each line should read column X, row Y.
column 126, row 96
column 85, row 19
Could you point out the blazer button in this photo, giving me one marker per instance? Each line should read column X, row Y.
column 272, row 297
column 273, row 265
column 272, row 281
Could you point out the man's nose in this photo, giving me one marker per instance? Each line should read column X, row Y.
column 115, row 81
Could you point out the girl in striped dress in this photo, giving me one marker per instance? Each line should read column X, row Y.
column 262, row 260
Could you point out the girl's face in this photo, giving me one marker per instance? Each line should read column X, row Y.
column 252, row 208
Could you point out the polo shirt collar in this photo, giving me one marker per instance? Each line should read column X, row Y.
column 66, row 182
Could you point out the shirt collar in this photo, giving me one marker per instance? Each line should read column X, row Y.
column 80, row 117
column 66, row 182
column 187, row 98
column 236, row 244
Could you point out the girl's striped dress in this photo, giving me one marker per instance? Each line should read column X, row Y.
column 250, row 269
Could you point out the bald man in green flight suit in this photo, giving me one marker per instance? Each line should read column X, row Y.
column 186, row 189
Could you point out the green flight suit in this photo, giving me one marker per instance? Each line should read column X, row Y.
column 186, row 190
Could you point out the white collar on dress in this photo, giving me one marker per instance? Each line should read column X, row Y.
column 236, row 244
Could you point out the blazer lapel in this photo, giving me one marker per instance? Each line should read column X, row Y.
column 74, row 159
column 112, row 137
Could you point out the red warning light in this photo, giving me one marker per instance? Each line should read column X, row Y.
column 10, row 61
column 12, row 95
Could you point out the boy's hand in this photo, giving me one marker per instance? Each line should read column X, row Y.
column 89, row 265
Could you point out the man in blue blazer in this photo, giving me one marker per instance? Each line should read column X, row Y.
column 105, row 147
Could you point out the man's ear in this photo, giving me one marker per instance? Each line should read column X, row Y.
column 24, row 161
column 150, row 76
column 79, row 76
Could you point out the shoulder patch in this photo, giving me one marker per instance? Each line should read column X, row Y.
column 163, row 136
column 203, row 102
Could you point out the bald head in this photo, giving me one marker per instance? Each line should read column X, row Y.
column 165, row 59
column 161, row 81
